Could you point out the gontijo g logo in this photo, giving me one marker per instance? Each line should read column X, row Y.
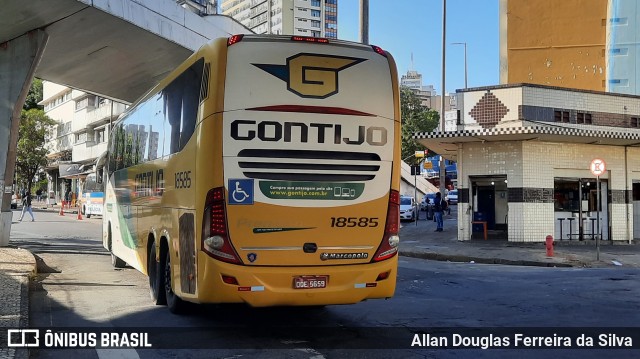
column 311, row 75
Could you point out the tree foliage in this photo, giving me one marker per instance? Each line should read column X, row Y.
column 415, row 118
column 34, row 125
column 34, row 96
column 31, row 151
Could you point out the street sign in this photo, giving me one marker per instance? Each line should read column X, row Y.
column 597, row 167
column 428, row 165
column 419, row 154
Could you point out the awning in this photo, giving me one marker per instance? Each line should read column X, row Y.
column 74, row 170
column 446, row 143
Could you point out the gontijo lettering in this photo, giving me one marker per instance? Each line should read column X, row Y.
column 272, row 131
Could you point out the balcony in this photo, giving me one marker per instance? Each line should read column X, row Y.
column 87, row 150
column 104, row 112
column 91, row 117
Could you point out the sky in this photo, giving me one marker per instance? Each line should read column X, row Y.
column 406, row 27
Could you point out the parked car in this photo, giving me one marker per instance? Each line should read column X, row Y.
column 427, row 201
column 408, row 208
column 453, row 196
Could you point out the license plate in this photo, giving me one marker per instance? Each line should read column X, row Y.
column 310, row 281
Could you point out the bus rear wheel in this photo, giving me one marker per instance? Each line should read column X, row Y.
column 156, row 278
column 175, row 304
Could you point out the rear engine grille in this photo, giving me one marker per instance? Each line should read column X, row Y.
column 305, row 165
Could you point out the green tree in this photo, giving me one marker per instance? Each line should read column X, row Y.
column 415, row 118
column 31, row 151
column 34, row 96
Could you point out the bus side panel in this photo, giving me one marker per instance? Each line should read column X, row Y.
column 120, row 217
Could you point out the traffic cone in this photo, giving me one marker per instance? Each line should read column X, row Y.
column 61, row 210
column 79, row 214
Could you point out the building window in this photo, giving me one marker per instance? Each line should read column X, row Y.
column 634, row 122
column 561, row 116
column 580, row 118
column 315, row 13
column 587, row 119
column 100, row 136
column 315, row 2
column 315, row 23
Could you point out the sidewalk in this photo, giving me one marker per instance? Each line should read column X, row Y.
column 416, row 240
column 422, row 241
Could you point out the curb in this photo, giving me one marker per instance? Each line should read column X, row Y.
column 481, row 260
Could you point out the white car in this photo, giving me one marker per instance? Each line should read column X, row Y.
column 408, row 208
column 453, row 196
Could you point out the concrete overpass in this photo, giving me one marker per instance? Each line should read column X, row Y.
column 116, row 48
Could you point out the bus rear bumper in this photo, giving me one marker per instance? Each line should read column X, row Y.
column 274, row 286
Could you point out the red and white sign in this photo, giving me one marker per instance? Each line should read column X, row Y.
column 597, row 167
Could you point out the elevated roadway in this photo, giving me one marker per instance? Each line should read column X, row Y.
column 116, row 48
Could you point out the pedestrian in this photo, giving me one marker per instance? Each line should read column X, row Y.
column 26, row 206
column 39, row 194
column 67, row 198
column 439, row 206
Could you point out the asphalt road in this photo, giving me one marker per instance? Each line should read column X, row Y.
column 78, row 288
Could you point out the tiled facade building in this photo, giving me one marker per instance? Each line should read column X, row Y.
column 524, row 153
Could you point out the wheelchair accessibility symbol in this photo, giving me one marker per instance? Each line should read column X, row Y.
column 240, row 191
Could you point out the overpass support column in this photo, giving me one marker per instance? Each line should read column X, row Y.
column 18, row 61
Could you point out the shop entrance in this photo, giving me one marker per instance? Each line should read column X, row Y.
column 489, row 204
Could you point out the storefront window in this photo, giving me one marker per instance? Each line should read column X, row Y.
column 566, row 196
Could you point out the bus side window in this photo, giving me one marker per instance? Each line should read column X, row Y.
column 181, row 101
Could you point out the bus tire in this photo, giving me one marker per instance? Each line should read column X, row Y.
column 156, row 278
column 83, row 211
column 115, row 261
column 88, row 215
column 175, row 304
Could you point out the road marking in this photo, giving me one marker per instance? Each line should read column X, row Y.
column 117, row 354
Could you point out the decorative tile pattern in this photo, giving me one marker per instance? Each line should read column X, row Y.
column 618, row 196
column 533, row 130
column 488, row 111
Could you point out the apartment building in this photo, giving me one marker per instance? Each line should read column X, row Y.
column 80, row 137
column 314, row 18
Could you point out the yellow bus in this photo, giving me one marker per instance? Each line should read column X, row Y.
column 263, row 170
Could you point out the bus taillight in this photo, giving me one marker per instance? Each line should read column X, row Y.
column 215, row 235
column 389, row 245
column 317, row 40
column 379, row 50
column 234, row 40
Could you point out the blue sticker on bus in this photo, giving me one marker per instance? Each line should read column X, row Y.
column 240, row 191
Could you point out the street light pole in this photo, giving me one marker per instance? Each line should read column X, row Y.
column 465, row 60
column 364, row 21
column 442, row 105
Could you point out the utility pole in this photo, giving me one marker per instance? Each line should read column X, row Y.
column 364, row 21
column 442, row 102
